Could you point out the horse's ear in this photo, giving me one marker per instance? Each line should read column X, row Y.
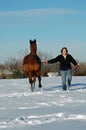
column 35, row 40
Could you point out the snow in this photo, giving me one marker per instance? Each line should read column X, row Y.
column 49, row 108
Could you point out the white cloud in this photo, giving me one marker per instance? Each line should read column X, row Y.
column 39, row 12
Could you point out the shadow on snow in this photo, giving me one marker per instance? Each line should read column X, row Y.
column 76, row 86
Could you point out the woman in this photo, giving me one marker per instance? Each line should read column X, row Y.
column 65, row 60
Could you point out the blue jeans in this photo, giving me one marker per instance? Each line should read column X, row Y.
column 66, row 75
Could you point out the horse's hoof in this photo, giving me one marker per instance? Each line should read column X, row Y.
column 40, row 85
column 31, row 89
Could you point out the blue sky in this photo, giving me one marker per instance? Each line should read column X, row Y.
column 53, row 23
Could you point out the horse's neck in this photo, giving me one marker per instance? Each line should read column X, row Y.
column 33, row 49
column 33, row 53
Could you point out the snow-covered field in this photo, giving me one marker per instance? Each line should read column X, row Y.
column 49, row 108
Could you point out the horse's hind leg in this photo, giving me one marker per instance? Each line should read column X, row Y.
column 39, row 79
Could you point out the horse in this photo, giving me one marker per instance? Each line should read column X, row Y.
column 32, row 65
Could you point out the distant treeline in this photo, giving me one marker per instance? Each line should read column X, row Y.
column 12, row 68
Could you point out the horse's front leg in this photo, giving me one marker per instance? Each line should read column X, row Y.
column 39, row 79
column 30, row 80
column 34, row 80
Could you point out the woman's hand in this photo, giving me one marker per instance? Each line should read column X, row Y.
column 76, row 67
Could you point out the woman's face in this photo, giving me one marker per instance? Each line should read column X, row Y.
column 64, row 52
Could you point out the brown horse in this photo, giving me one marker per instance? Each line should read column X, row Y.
column 32, row 65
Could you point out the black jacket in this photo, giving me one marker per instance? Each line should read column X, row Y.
column 65, row 63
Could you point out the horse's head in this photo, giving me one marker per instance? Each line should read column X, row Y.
column 33, row 47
